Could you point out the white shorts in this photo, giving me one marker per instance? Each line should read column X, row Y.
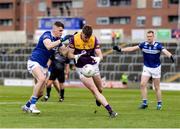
column 152, row 72
column 32, row 64
column 96, row 67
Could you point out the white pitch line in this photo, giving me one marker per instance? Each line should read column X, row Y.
column 10, row 103
column 15, row 103
column 13, row 96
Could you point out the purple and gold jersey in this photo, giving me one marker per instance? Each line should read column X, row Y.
column 80, row 46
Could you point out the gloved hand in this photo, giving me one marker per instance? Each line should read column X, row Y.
column 172, row 58
column 66, row 37
column 76, row 57
column 96, row 59
column 117, row 48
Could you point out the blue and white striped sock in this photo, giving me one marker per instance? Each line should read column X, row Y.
column 33, row 100
column 159, row 103
column 28, row 103
column 144, row 101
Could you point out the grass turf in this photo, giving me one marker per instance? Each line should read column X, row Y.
column 77, row 111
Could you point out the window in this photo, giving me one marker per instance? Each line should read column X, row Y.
column 102, row 20
column 107, row 3
column 77, row 3
column 42, row 7
column 140, row 21
column 113, row 20
column 103, row 3
column 125, row 2
column 62, row 4
column 141, row 3
column 120, row 20
column 156, row 21
column 173, row 1
column 6, row 22
column 157, row 4
column 173, row 19
column 6, row 5
column 120, row 2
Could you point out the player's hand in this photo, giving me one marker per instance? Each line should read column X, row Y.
column 47, row 72
column 66, row 76
column 66, row 37
column 96, row 59
column 76, row 57
column 117, row 48
column 172, row 58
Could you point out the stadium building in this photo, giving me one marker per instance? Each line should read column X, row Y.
column 143, row 14
column 115, row 22
column 24, row 20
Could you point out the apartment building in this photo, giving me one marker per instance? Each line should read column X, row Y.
column 113, row 14
column 132, row 14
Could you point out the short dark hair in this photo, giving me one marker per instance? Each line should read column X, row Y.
column 87, row 30
column 59, row 24
column 150, row 31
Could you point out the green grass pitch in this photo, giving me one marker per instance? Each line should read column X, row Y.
column 77, row 111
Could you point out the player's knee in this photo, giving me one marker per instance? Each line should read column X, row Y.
column 96, row 92
column 142, row 85
column 42, row 79
column 100, row 89
column 48, row 84
column 156, row 88
column 93, row 90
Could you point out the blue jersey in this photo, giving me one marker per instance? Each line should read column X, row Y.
column 151, row 53
column 41, row 54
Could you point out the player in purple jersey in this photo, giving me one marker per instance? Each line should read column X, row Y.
column 84, row 48
column 37, row 63
column 152, row 66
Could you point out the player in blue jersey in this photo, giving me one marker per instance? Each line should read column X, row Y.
column 152, row 66
column 48, row 42
column 85, row 49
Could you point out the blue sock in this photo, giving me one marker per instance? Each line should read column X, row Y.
column 145, row 101
column 159, row 103
column 28, row 103
column 33, row 100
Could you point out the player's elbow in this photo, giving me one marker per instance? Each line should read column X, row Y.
column 49, row 48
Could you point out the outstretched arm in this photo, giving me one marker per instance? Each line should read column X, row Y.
column 126, row 49
column 167, row 53
column 49, row 44
column 130, row 49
